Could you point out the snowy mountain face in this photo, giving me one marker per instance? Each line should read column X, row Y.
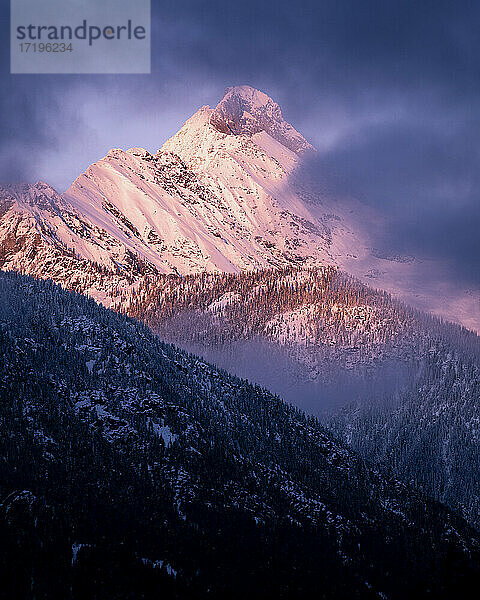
column 129, row 467
column 40, row 235
column 225, row 194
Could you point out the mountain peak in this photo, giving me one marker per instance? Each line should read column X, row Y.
column 29, row 193
column 248, row 94
column 244, row 110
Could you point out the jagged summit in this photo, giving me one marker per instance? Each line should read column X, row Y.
column 246, row 110
column 39, row 194
column 21, row 188
column 243, row 111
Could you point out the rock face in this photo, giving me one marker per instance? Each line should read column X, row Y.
column 246, row 111
column 227, row 193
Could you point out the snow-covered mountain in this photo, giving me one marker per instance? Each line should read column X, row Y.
column 226, row 193
column 209, row 199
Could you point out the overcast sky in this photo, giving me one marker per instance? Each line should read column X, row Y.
column 389, row 92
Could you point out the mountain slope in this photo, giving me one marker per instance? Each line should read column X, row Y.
column 231, row 489
column 42, row 236
column 231, row 191
column 398, row 384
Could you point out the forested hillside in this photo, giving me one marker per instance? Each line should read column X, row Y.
column 129, row 469
column 406, row 384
